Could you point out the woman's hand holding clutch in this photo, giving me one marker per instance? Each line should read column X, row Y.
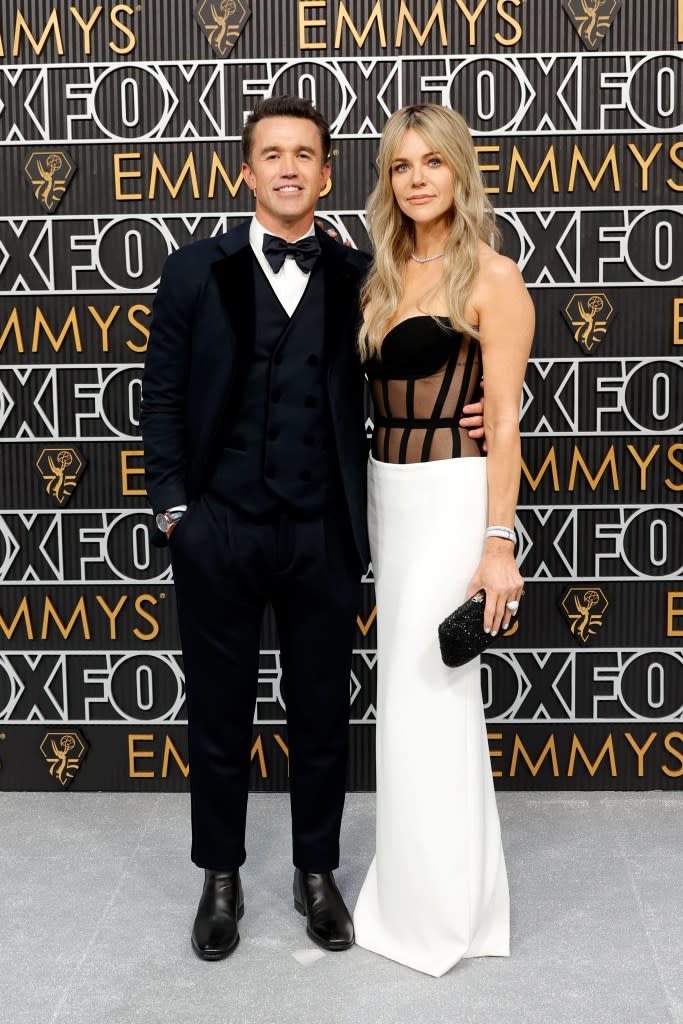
column 497, row 574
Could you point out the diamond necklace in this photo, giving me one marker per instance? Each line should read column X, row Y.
column 427, row 259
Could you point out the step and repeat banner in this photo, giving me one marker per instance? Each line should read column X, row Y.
column 119, row 132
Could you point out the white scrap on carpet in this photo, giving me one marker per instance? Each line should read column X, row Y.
column 306, row 957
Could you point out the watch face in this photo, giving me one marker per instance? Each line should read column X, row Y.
column 162, row 522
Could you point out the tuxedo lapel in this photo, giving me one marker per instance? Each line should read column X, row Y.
column 234, row 275
column 341, row 296
column 227, row 340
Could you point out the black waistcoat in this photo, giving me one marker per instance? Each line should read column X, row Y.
column 279, row 447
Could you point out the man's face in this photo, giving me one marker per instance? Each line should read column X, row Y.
column 286, row 170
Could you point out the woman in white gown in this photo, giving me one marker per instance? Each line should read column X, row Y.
column 440, row 305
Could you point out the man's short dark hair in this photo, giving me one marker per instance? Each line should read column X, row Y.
column 285, row 106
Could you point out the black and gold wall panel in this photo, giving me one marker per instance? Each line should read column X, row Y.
column 119, row 142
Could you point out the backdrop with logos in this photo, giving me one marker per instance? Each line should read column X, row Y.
column 119, row 132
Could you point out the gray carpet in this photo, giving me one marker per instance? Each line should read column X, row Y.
column 97, row 897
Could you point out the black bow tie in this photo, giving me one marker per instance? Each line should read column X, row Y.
column 305, row 252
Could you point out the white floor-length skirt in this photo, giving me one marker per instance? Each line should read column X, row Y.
column 437, row 889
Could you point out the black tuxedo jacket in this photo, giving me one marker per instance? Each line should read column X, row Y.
column 200, row 344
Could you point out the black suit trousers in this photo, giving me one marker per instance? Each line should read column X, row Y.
column 227, row 567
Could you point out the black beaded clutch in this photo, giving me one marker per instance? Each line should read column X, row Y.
column 461, row 634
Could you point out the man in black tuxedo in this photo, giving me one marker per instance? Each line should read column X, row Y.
column 255, row 454
column 255, row 458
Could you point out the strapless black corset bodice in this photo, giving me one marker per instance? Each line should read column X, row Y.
column 416, row 347
column 427, row 372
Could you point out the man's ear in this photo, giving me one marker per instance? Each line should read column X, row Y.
column 248, row 176
column 325, row 179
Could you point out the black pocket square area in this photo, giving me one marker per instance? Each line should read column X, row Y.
column 461, row 634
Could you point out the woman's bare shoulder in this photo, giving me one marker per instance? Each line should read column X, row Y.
column 500, row 290
column 496, row 270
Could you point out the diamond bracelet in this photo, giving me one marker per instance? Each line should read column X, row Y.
column 501, row 531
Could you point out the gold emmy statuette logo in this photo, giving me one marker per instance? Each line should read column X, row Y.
column 584, row 608
column 50, row 174
column 592, row 19
column 61, row 469
column 222, row 22
column 588, row 314
column 63, row 752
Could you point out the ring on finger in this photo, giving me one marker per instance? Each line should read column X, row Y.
column 512, row 605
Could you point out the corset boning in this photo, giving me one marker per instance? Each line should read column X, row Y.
column 427, row 372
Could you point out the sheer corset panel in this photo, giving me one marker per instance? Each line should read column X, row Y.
column 428, row 371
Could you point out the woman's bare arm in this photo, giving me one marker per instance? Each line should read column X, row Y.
column 506, row 327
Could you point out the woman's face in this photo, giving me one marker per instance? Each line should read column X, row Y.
column 421, row 180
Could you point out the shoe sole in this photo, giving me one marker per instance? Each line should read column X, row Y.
column 218, row 954
column 338, row 947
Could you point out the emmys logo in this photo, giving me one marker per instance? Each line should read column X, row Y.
column 222, row 22
column 50, row 174
column 588, row 314
column 61, row 469
column 584, row 608
column 63, row 752
column 592, row 19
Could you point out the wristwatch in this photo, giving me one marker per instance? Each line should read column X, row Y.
column 165, row 520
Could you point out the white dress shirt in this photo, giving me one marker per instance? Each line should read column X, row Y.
column 289, row 284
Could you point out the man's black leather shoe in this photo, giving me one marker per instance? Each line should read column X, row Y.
column 215, row 933
column 317, row 897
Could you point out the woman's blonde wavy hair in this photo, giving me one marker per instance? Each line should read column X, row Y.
column 393, row 234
